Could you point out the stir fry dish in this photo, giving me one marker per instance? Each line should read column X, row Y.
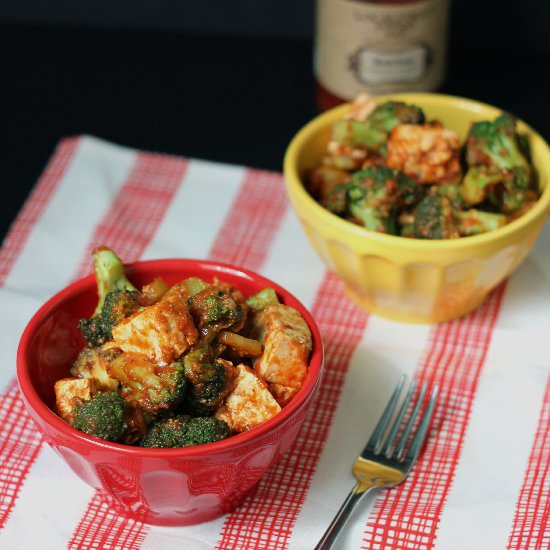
column 390, row 170
column 183, row 365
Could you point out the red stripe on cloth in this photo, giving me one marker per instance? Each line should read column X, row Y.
column 116, row 531
column 252, row 221
column 19, row 446
column 268, row 515
column 408, row 516
column 35, row 205
column 531, row 527
column 138, row 208
column 128, row 227
column 19, row 441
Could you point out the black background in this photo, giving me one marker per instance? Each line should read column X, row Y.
column 227, row 81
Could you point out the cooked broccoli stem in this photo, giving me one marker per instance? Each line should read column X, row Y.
column 207, row 379
column 372, row 134
column 263, row 299
column 109, row 274
column 154, row 291
column 184, row 431
column 102, row 416
column 474, row 222
column 435, row 218
column 240, row 345
column 118, row 305
column 117, row 298
column 478, row 183
column 325, row 178
column 151, row 387
column 195, row 285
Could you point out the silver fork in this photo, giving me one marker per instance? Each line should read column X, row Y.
column 386, row 460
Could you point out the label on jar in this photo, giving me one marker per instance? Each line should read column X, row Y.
column 380, row 48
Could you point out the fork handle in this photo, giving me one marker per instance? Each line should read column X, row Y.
column 328, row 540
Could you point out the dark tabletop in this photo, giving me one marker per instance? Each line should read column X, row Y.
column 228, row 99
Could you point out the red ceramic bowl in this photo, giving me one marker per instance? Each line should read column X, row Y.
column 159, row 486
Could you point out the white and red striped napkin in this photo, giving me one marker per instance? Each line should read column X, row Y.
column 483, row 481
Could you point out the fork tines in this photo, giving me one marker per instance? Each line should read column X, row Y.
column 391, row 440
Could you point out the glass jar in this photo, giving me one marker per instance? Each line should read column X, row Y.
column 380, row 47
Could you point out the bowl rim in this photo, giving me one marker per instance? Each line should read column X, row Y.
column 294, row 183
column 33, row 400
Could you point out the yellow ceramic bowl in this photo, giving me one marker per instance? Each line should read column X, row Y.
column 414, row 280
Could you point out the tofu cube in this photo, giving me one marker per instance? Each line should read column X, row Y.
column 287, row 344
column 162, row 331
column 249, row 404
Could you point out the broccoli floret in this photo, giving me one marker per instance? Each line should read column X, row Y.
column 205, row 430
column 514, row 192
column 374, row 195
column 214, row 309
column 409, row 191
column 336, row 201
column 372, row 134
column 501, row 153
column 474, row 222
column 102, row 416
column 495, row 143
column 263, row 299
column 167, row 433
column 117, row 298
column 207, row 379
column 369, row 217
column 453, row 192
column 149, row 386
column 370, row 200
column 118, row 305
column 184, row 431
column 435, row 218
column 506, row 190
